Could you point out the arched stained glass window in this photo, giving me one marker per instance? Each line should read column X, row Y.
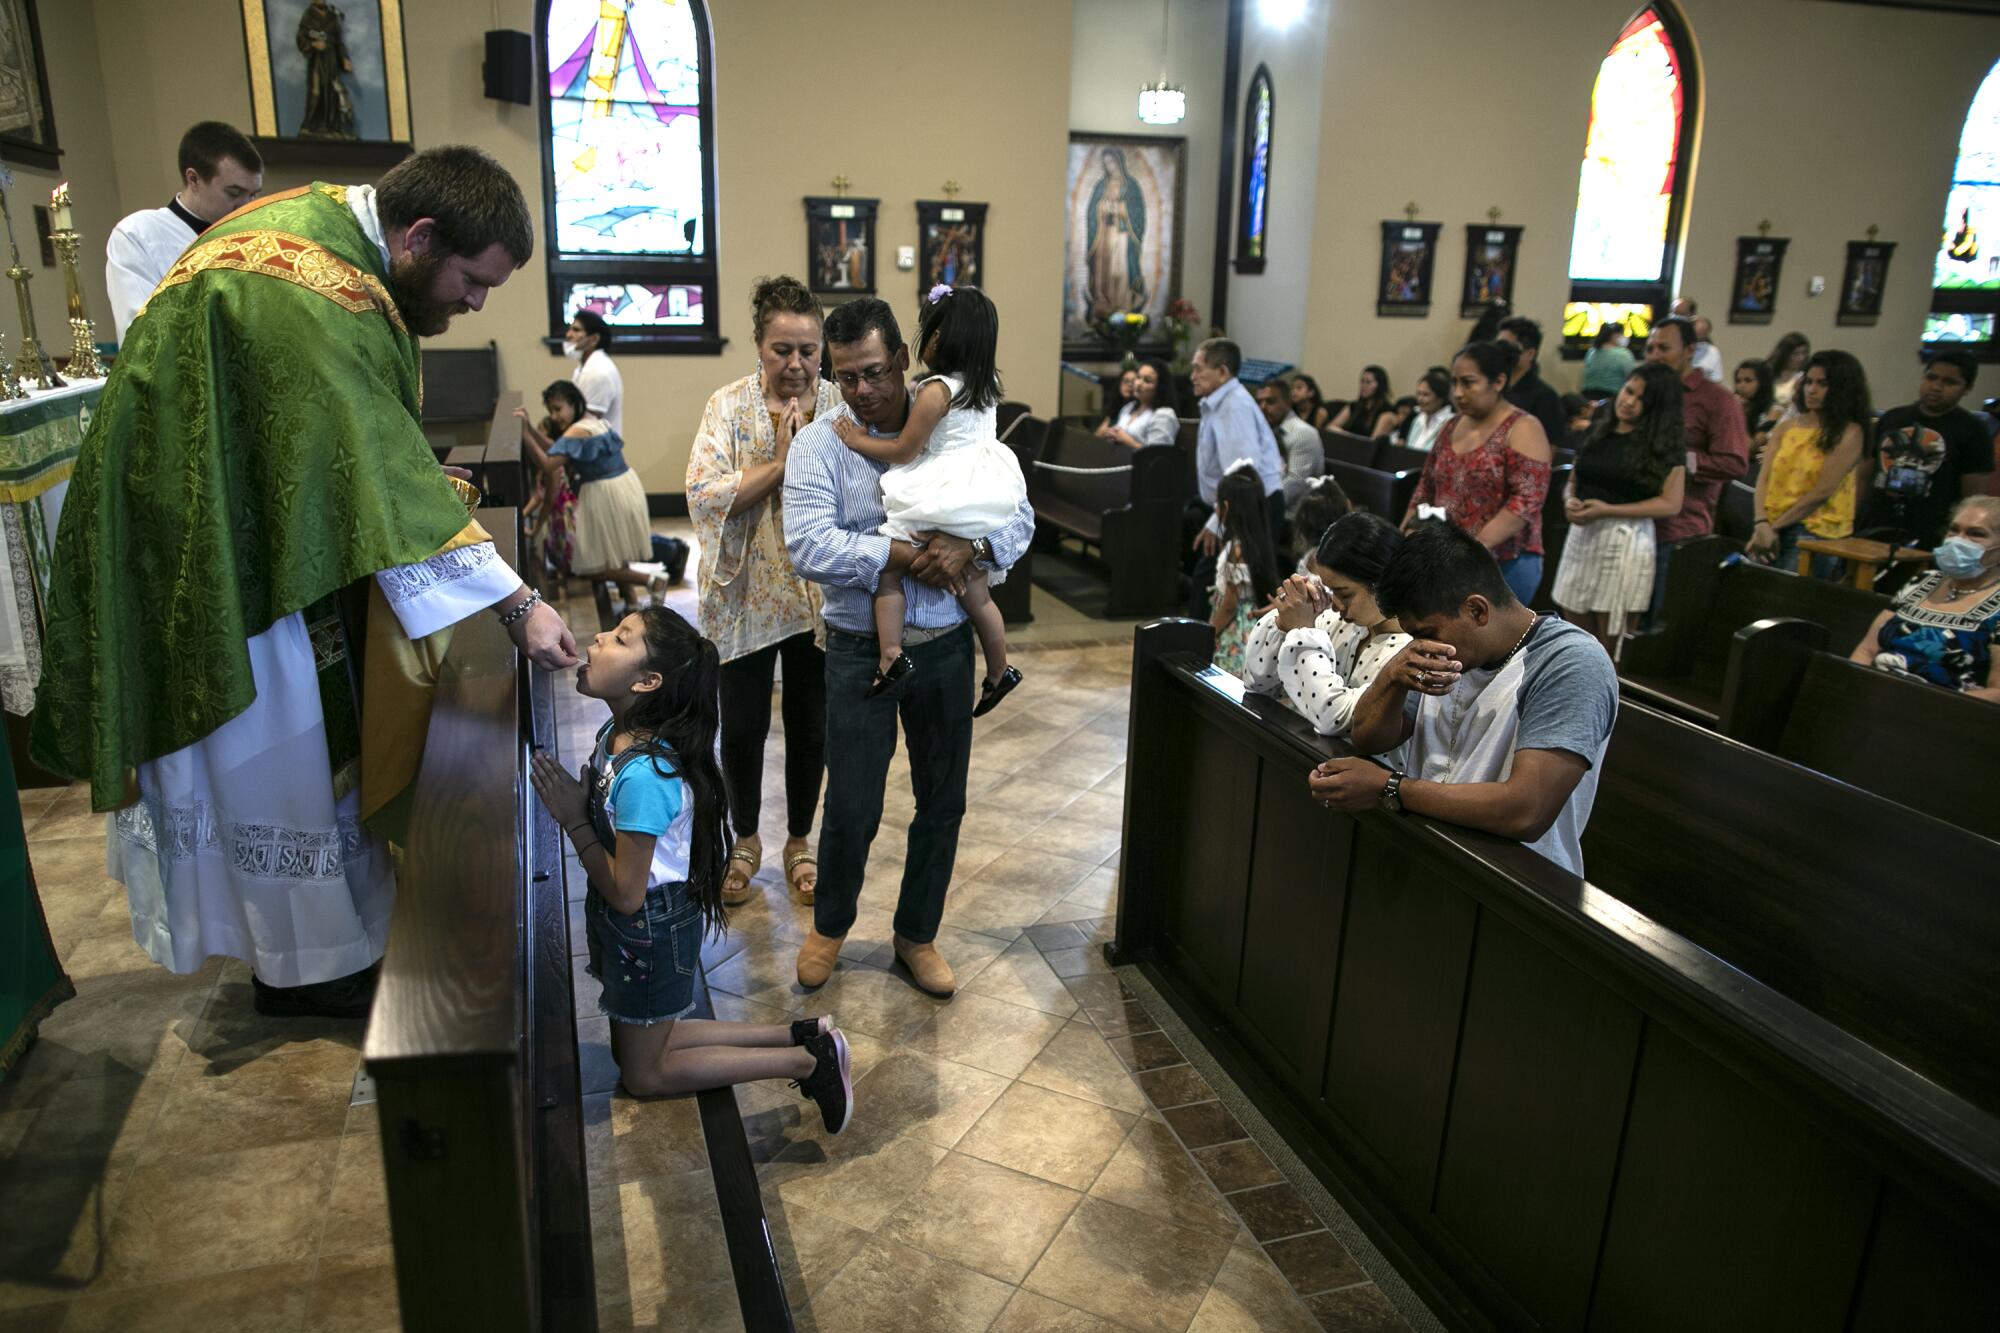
column 1631, row 190
column 1253, row 204
column 1965, row 295
column 629, row 169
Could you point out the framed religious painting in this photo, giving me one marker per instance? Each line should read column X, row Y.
column 1861, row 282
column 1760, row 262
column 951, row 245
column 27, row 123
column 1126, row 201
column 840, row 246
column 327, row 81
column 1409, row 256
column 1490, row 252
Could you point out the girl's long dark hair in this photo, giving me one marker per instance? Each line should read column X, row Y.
column 676, row 725
column 1788, row 346
column 1376, row 406
column 1659, row 438
column 1360, row 545
column 1248, row 524
column 1847, row 402
column 967, row 329
column 1760, row 402
column 1168, row 395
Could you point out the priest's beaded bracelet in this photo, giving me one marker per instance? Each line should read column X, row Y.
column 507, row 618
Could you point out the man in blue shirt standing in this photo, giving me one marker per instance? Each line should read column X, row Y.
column 1232, row 428
column 832, row 520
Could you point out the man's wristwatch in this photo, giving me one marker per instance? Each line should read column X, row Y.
column 1391, row 798
column 982, row 550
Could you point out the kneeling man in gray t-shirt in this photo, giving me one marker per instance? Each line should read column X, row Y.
column 1493, row 717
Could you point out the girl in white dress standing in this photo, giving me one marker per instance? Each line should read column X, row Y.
column 949, row 474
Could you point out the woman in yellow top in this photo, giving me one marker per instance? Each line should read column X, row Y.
column 754, row 606
column 1806, row 486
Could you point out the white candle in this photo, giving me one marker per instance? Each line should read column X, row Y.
column 59, row 207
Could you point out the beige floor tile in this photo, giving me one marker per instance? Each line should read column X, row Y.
column 657, row 1235
column 84, row 1127
column 859, row 1178
column 967, row 950
column 1022, row 976
column 811, row 1247
column 867, row 999
column 276, row 1200
column 1104, row 809
column 1129, row 1267
column 1077, row 962
column 357, row 1213
column 292, row 1093
column 1064, row 1140
column 1077, row 1062
column 248, row 1301
column 1251, row 1296
column 655, row 1137
column 139, row 1028
column 1030, row 1313
column 53, row 1235
column 883, row 1285
column 934, row 1100
column 232, row 1033
column 1000, row 910
column 1025, row 793
column 1151, row 1173
column 355, row 1293
column 765, row 972
column 986, row 1033
column 710, row 1307
column 983, row 1217
column 1032, row 868
column 1085, row 839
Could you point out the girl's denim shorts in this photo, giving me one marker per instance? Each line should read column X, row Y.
column 646, row 960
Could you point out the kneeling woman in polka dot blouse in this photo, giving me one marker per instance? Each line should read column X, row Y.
column 1323, row 642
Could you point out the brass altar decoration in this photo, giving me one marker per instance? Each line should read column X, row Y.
column 10, row 383
column 31, row 363
column 83, row 362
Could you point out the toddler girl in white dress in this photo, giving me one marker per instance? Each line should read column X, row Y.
column 951, row 474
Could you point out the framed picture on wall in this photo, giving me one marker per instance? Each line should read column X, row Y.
column 1760, row 262
column 327, row 80
column 951, row 245
column 1409, row 255
column 840, row 246
column 1861, row 282
column 1126, row 198
column 27, row 123
column 1490, row 252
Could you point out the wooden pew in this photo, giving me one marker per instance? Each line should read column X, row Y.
column 1744, row 1078
column 1793, row 694
column 1025, row 435
column 472, row 1039
column 1681, row 668
column 496, row 465
column 1132, row 517
column 1354, row 450
column 1555, row 535
column 1393, row 457
column 1383, row 493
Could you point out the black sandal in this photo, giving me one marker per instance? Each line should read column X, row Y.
column 886, row 680
column 992, row 692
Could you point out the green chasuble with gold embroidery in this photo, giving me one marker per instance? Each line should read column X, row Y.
column 257, row 449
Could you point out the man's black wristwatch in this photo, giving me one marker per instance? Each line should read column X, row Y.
column 1391, row 798
column 982, row 550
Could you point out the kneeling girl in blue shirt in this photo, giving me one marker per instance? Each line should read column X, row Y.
column 650, row 822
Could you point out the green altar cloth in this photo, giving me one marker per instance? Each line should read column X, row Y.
column 32, row 981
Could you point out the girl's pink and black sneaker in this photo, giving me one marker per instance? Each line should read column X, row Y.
column 829, row 1086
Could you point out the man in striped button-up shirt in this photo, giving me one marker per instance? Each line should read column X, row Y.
column 832, row 519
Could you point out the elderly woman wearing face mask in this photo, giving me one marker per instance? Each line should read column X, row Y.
column 587, row 341
column 754, row 606
column 1943, row 625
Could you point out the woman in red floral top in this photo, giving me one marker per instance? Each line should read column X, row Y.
column 1489, row 471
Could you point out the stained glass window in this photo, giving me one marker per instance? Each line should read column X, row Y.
column 630, row 165
column 1969, row 251
column 1253, row 208
column 1627, row 190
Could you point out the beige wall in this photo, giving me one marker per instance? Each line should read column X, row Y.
column 1824, row 118
column 70, row 44
column 907, row 123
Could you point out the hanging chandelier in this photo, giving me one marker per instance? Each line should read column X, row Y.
column 1163, row 103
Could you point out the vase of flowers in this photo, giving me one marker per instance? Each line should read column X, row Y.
column 1182, row 318
column 1125, row 328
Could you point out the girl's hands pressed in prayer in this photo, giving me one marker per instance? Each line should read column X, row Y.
column 562, row 794
column 1299, row 602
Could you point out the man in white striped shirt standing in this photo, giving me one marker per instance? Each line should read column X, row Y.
column 832, row 519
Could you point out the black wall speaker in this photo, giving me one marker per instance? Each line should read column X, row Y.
column 510, row 67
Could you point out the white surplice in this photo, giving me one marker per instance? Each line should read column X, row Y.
column 237, row 845
column 138, row 253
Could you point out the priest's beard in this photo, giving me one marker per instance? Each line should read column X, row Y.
column 411, row 280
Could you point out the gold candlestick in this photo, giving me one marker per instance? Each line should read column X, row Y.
column 83, row 362
column 32, row 363
column 10, row 384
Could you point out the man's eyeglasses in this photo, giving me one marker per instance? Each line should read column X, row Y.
column 855, row 379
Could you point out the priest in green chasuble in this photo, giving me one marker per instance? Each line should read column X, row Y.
column 255, row 502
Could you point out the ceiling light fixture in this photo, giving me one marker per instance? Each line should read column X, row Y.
column 1163, row 103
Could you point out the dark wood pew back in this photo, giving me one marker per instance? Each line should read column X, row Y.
column 1553, row 1109
column 1393, row 457
column 1921, row 746
column 1355, row 450
column 1383, row 493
